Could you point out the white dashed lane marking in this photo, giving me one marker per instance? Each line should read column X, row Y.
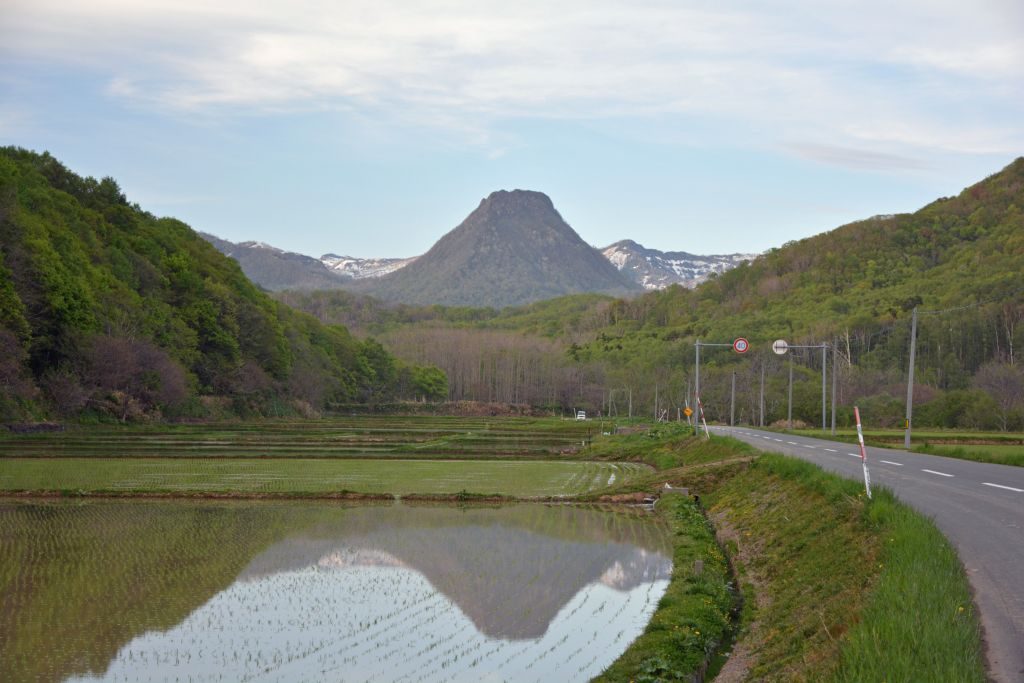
column 890, row 462
column 941, row 474
column 831, row 450
column 1000, row 486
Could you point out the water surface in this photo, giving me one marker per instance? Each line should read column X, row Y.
column 270, row 591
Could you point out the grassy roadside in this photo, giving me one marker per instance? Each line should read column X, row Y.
column 835, row 587
column 994, row 453
column 992, row 447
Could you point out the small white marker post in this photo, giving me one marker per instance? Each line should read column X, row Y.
column 863, row 453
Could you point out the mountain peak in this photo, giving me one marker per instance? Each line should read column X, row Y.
column 514, row 248
column 517, row 199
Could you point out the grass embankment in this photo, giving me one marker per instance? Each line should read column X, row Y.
column 664, row 447
column 836, row 587
column 692, row 618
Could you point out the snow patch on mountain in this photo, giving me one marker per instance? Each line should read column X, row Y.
column 359, row 268
column 655, row 269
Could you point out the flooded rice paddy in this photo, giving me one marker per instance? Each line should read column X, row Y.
column 298, row 591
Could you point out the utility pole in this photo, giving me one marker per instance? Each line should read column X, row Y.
column 834, row 367
column 761, row 402
column 789, row 409
column 696, row 388
column 910, row 378
column 824, row 354
column 732, row 402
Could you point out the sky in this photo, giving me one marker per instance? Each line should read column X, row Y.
column 371, row 128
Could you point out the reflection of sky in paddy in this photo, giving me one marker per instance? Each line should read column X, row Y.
column 377, row 623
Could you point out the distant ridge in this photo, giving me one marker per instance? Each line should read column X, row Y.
column 274, row 269
column 513, row 249
column 653, row 269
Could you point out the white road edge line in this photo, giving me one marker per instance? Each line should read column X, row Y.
column 941, row 474
column 890, row 462
column 1000, row 486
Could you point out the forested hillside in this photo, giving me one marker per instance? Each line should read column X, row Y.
column 107, row 310
column 959, row 260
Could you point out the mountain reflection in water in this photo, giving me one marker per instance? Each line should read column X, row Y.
column 274, row 591
column 509, row 580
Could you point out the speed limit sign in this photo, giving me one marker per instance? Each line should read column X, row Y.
column 740, row 345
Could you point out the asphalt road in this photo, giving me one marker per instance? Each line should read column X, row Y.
column 978, row 506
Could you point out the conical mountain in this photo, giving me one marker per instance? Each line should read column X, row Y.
column 513, row 249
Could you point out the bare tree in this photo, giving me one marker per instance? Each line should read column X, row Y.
column 1005, row 384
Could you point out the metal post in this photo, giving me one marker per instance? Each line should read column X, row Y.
column 824, row 354
column 696, row 388
column 732, row 402
column 910, row 378
column 761, row 403
column 789, row 410
column 834, row 367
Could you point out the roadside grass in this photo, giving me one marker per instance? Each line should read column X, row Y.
column 998, row 454
column 852, row 589
column 295, row 476
column 931, row 435
column 693, row 616
column 1000, row 448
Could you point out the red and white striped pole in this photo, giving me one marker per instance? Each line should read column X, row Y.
column 863, row 453
column 700, row 409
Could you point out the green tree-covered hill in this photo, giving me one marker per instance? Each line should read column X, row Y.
column 106, row 309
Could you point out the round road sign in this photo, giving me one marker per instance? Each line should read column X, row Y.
column 741, row 345
column 780, row 346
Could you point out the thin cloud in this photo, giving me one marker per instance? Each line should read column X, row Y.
column 859, row 159
column 812, row 71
